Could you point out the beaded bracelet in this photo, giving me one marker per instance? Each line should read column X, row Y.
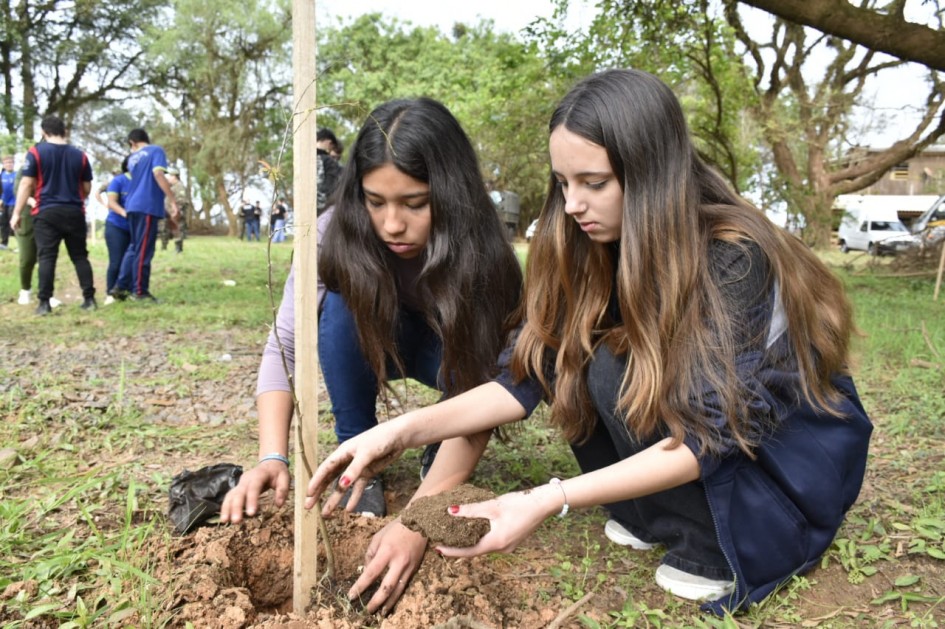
column 275, row 456
column 566, row 507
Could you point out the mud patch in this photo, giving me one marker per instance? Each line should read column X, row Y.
column 234, row 577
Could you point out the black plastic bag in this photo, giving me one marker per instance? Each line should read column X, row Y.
column 195, row 497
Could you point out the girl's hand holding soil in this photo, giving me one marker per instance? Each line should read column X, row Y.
column 512, row 518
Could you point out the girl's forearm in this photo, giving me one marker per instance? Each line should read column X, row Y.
column 275, row 410
column 476, row 411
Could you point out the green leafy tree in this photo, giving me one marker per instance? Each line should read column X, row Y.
column 777, row 92
column 223, row 70
column 689, row 48
column 498, row 87
column 58, row 56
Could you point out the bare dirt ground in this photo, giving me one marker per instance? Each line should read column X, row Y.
column 566, row 575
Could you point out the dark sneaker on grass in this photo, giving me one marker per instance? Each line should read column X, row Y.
column 43, row 308
column 144, row 297
column 426, row 461
column 372, row 503
column 89, row 304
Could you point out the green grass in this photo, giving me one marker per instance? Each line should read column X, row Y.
column 85, row 496
column 190, row 286
column 81, row 507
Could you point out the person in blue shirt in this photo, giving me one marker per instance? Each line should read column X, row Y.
column 59, row 177
column 144, row 206
column 694, row 354
column 8, row 182
column 117, row 232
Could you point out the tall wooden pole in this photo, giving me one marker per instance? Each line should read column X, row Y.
column 305, row 566
column 938, row 278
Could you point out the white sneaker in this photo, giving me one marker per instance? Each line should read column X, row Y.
column 616, row 533
column 24, row 299
column 109, row 300
column 54, row 303
column 692, row 586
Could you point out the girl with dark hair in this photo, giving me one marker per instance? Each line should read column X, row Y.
column 416, row 280
column 694, row 355
column 117, row 232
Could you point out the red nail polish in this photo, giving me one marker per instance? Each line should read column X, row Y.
column 454, row 509
column 345, row 481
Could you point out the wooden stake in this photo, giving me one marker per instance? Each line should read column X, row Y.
column 305, row 566
column 941, row 267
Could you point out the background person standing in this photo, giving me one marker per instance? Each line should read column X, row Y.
column 327, row 168
column 248, row 214
column 179, row 195
column 59, row 177
column 117, row 232
column 8, row 181
column 144, row 207
column 257, row 219
column 277, row 220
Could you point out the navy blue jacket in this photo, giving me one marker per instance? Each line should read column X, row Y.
column 777, row 514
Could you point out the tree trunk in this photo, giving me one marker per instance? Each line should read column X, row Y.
column 26, row 73
column 223, row 198
column 6, row 69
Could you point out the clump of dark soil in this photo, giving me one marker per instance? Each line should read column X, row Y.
column 430, row 517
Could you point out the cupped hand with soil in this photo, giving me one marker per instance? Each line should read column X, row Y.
column 511, row 517
column 430, row 516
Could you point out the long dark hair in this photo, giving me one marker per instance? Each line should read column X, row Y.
column 471, row 280
column 674, row 330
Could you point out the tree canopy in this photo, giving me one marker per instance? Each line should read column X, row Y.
column 774, row 108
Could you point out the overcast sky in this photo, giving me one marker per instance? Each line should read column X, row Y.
column 508, row 15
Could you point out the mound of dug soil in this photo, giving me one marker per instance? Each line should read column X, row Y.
column 241, row 576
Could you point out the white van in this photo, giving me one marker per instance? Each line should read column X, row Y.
column 876, row 230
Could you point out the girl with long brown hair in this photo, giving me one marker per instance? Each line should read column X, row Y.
column 694, row 355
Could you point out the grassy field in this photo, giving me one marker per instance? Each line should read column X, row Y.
column 93, row 425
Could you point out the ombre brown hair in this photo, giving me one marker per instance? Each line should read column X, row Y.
column 673, row 328
column 471, row 280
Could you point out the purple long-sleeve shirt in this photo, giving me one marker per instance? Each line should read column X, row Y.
column 272, row 373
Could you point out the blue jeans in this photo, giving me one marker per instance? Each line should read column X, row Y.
column 252, row 227
column 278, row 230
column 677, row 518
column 117, row 241
column 349, row 379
